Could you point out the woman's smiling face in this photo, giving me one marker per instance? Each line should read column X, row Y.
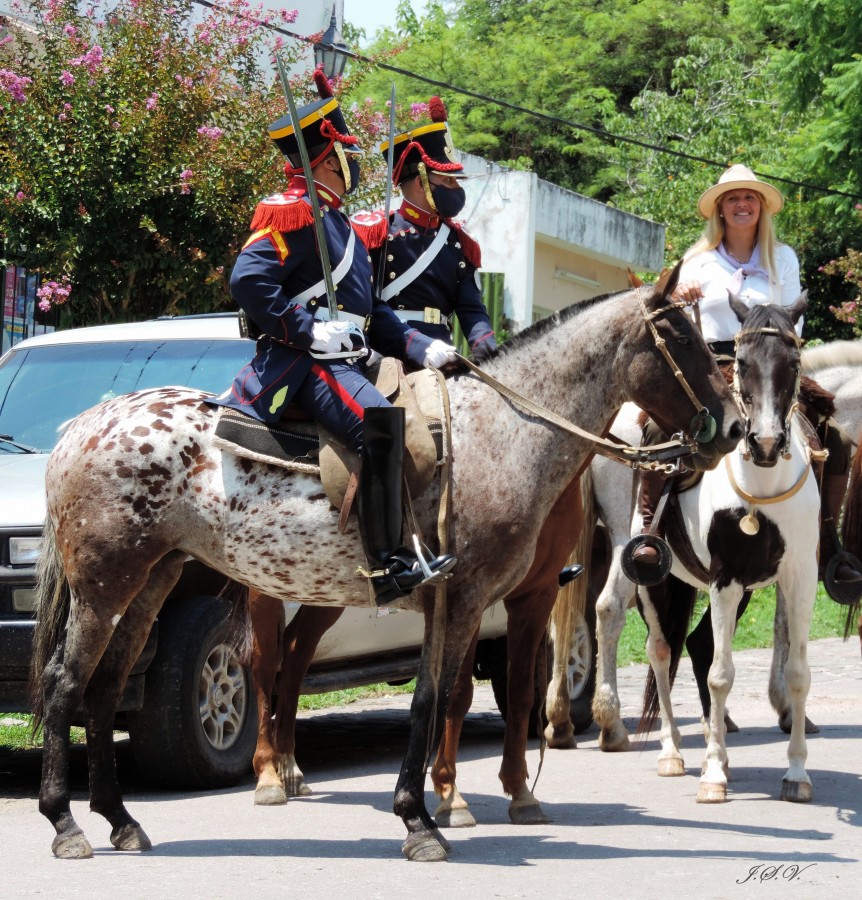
column 740, row 208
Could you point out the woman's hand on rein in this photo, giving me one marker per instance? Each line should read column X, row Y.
column 687, row 292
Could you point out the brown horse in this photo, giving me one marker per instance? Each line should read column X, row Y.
column 281, row 656
column 135, row 486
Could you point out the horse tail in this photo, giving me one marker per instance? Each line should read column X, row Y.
column 851, row 528
column 674, row 614
column 240, row 632
column 53, row 602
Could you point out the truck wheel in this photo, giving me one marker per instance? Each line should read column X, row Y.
column 198, row 727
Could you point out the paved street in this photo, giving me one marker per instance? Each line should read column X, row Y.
column 617, row 828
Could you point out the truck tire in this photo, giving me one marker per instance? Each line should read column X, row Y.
column 197, row 729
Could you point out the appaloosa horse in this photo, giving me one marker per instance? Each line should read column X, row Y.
column 751, row 522
column 135, row 486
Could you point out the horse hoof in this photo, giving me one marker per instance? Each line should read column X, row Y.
column 298, row 788
column 270, row 795
column 530, row 814
column 423, row 846
column 796, row 791
column 131, row 837
column 671, row 767
column 610, row 743
column 72, row 846
column 711, row 793
column 785, row 722
column 454, row 818
column 562, row 742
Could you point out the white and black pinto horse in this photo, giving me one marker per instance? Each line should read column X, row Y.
column 750, row 523
column 135, row 486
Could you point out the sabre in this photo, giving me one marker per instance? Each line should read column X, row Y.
column 389, row 167
column 319, row 234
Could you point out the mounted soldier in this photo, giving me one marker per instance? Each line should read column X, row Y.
column 311, row 351
column 427, row 266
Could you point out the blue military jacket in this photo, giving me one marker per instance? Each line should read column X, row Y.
column 280, row 262
column 449, row 284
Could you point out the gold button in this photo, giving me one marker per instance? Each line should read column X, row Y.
column 390, row 258
column 462, row 265
column 391, row 275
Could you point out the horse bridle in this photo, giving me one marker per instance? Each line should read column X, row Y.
column 662, row 457
column 794, row 403
column 702, row 426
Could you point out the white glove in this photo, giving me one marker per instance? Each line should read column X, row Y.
column 334, row 337
column 438, row 354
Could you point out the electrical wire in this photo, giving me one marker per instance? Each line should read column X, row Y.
column 536, row 114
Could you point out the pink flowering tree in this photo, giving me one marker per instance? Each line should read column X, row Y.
column 133, row 148
column 849, row 269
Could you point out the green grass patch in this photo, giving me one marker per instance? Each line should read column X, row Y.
column 16, row 732
column 351, row 695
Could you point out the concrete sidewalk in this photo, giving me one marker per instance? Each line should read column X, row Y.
column 617, row 828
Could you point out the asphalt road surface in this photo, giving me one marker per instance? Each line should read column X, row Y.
column 617, row 831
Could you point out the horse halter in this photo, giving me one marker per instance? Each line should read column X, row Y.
column 702, row 426
column 737, row 394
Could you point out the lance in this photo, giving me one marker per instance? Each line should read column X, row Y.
column 319, row 234
column 390, row 156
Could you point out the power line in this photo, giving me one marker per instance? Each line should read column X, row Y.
column 536, row 114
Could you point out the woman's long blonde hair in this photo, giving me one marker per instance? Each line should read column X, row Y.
column 713, row 235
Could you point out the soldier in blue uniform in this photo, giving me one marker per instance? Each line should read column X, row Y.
column 429, row 263
column 306, row 359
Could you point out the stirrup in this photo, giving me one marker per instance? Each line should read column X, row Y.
column 649, row 574
column 405, row 570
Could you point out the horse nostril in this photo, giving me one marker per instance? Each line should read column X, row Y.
column 736, row 431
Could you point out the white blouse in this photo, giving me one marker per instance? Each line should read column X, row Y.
column 716, row 275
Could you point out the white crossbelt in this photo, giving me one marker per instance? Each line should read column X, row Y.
column 419, row 266
column 319, row 289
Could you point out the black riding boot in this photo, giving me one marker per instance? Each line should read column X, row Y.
column 396, row 570
column 649, row 494
column 831, row 500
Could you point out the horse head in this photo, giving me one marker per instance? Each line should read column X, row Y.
column 670, row 332
column 766, row 374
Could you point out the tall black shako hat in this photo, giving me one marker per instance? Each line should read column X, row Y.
column 425, row 148
column 323, row 129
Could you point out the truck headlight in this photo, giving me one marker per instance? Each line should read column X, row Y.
column 24, row 551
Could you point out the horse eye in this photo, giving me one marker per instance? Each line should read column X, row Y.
column 684, row 340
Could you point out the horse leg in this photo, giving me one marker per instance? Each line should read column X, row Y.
column 701, row 649
column 778, row 695
column 81, row 645
column 526, row 626
column 453, row 811
column 103, row 695
column 713, row 781
column 610, row 620
column 301, row 638
column 266, row 615
column 445, row 644
column 796, row 785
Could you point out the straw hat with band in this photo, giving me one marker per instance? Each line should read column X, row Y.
column 736, row 178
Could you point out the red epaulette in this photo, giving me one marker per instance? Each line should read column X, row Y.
column 469, row 245
column 283, row 212
column 371, row 228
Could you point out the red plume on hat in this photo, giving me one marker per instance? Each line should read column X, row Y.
column 437, row 110
column 322, row 82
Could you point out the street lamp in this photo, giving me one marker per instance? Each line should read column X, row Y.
column 326, row 52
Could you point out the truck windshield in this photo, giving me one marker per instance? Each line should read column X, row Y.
column 44, row 387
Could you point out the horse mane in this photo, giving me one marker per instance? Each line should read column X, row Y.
column 768, row 316
column 539, row 329
column 828, row 356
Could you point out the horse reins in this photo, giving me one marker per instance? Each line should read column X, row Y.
column 662, row 457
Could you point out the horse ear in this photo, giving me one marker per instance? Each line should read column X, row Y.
column 668, row 280
column 798, row 307
column 634, row 281
column 738, row 307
